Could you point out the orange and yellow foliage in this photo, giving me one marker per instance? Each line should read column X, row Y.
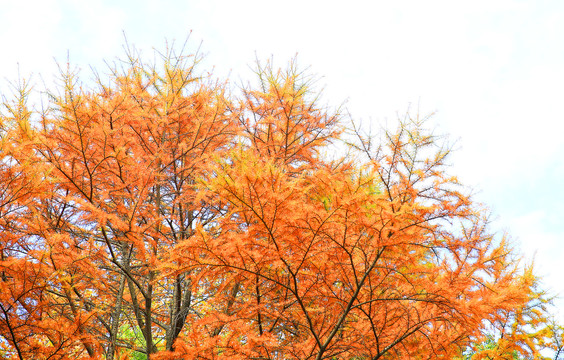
column 155, row 215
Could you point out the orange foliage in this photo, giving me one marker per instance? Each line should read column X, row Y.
column 155, row 215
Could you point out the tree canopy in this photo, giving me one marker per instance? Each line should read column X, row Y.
column 161, row 214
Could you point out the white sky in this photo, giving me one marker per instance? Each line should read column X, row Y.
column 493, row 71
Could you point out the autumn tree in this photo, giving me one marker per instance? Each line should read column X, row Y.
column 155, row 214
column 119, row 166
column 22, row 276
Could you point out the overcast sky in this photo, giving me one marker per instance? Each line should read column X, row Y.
column 493, row 71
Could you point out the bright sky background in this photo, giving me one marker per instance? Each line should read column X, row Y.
column 492, row 70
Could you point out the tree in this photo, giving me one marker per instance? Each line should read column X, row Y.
column 156, row 215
